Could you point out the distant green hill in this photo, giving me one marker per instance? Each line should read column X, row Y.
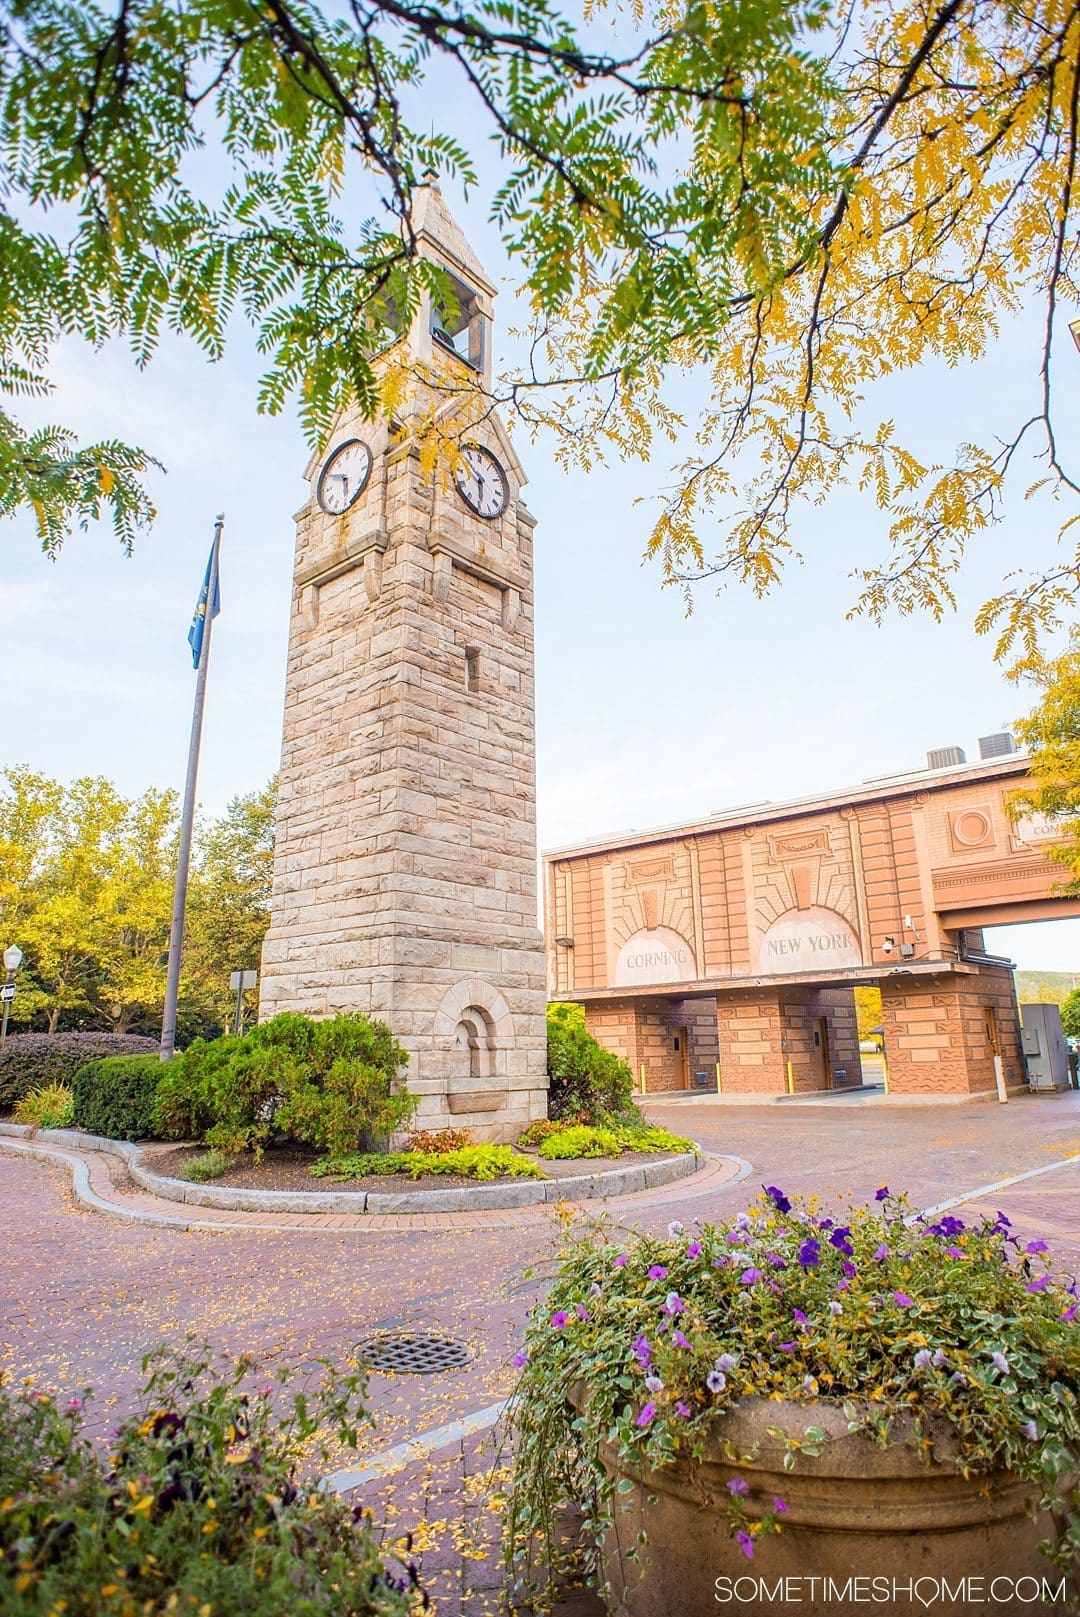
column 1045, row 987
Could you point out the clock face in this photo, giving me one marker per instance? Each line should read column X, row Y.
column 344, row 477
column 481, row 482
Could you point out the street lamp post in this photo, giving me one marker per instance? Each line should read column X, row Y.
column 12, row 961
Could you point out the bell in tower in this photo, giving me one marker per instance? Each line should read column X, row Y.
column 405, row 860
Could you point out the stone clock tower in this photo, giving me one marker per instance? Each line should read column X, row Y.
column 405, row 866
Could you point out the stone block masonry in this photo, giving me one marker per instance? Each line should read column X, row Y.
column 405, row 863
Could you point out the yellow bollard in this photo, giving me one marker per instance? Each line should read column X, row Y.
column 790, row 1079
column 719, row 1080
column 644, row 1086
column 885, row 1072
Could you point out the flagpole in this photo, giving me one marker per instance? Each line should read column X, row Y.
column 187, row 820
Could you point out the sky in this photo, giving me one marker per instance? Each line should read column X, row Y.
column 645, row 716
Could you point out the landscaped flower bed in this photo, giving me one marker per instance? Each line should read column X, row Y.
column 611, row 1137
column 657, row 1356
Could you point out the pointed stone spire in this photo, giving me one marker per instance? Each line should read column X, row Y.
column 441, row 238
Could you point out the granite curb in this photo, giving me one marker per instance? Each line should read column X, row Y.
column 460, row 1199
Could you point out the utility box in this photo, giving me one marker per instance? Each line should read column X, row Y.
column 1044, row 1047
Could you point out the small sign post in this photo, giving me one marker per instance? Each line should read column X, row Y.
column 240, row 982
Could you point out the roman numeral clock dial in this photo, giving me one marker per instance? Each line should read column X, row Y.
column 344, row 477
column 481, row 482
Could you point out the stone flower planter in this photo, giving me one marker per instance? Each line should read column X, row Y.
column 856, row 1511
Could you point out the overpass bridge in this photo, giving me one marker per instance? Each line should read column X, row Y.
column 726, row 951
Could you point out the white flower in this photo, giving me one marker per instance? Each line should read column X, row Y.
column 716, row 1381
column 810, row 1386
column 940, row 1359
column 835, row 1308
column 726, row 1361
column 674, row 1228
column 1000, row 1362
column 1030, row 1429
column 654, row 1384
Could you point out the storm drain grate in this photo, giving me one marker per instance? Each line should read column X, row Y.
column 411, row 1353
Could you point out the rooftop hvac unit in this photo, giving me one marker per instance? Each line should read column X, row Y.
column 997, row 746
column 945, row 758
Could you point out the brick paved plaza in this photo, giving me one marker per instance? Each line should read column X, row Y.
column 84, row 1294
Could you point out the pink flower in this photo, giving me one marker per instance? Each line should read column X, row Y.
column 682, row 1409
column 558, row 1320
column 647, row 1413
column 621, row 1261
column 902, row 1299
column 746, row 1544
column 520, row 1359
column 658, row 1272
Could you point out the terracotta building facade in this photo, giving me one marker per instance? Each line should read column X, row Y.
column 724, row 954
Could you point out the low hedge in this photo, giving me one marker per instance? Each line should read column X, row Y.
column 29, row 1060
column 115, row 1096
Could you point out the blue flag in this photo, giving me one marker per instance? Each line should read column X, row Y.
column 195, row 633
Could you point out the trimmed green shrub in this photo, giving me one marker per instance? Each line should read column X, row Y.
column 49, row 1106
column 585, row 1079
column 483, row 1162
column 29, row 1059
column 334, row 1084
column 200, row 1170
column 115, row 1096
column 205, row 1500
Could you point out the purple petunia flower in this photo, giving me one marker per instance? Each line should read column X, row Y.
column 778, row 1198
column 775, row 1261
column 675, row 1227
column 850, row 1269
column 750, row 1276
column 1070, row 1313
column 787, row 1347
column 940, row 1359
column 810, row 1386
column 1000, row 1362
column 653, row 1384
column 642, row 1350
column 1036, row 1246
column 954, row 1252
column 716, row 1381
column 621, row 1261
column 726, row 1361
column 738, row 1486
column 881, row 1194
column 694, row 1249
column 682, row 1409
column 1030, row 1430
column 558, row 1320
column 582, row 1311
column 520, row 1359
column 746, row 1544
column 881, row 1254
column 923, row 1358
column 679, row 1339
column 799, row 1317
column 836, row 1308
column 841, row 1239
column 810, row 1253
column 780, row 1506
column 673, row 1303
column 658, row 1272
column 647, row 1413
column 902, row 1300
column 594, row 1290
column 742, row 1222
column 1038, row 1285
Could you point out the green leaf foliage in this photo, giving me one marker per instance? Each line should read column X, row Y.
column 116, row 1096
column 38, row 1058
column 48, row 1106
column 333, row 1084
column 483, row 1162
column 203, row 1500
column 587, row 1082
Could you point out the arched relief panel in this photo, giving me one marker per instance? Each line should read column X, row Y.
column 651, row 894
column 810, row 940
column 473, row 1020
column 655, row 955
column 804, row 867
